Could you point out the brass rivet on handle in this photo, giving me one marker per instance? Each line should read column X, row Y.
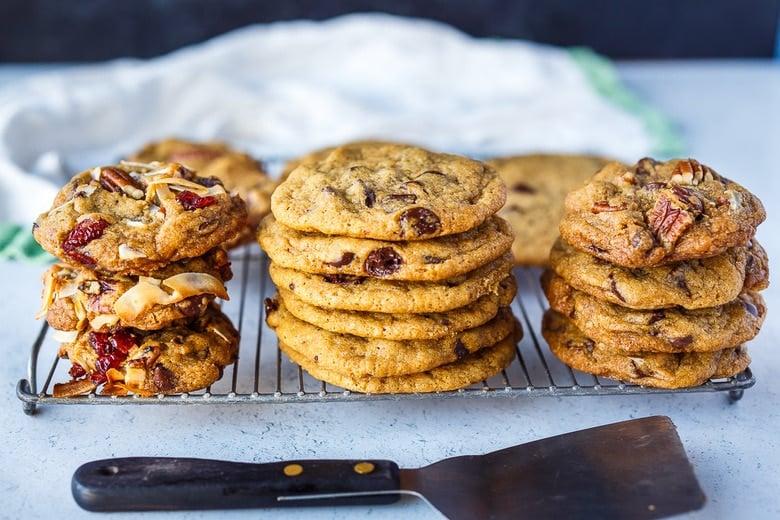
column 293, row 470
column 362, row 468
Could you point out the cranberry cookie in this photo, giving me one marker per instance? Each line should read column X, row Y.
column 134, row 218
column 240, row 173
column 655, row 213
column 535, row 188
column 434, row 259
column 388, row 192
column 181, row 358
column 692, row 284
column 74, row 298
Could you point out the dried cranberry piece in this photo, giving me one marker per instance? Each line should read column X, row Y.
column 383, row 262
column 422, row 220
column 83, row 233
column 191, row 201
column 76, row 371
column 122, row 341
column 97, row 378
column 103, row 363
column 99, row 342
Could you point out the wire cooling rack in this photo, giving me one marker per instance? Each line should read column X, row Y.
column 263, row 374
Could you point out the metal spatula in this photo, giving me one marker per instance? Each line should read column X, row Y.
column 634, row 469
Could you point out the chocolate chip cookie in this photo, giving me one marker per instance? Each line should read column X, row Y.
column 395, row 296
column 181, row 358
column 654, row 369
column 397, row 326
column 377, row 357
column 536, row 185
column 388, row 192
column 134, row 218
column 692, row 284
column 661, row 330
column 473, row 368
column 434, row 259
column 240, row 173
column 76, row 298
column 655, row 213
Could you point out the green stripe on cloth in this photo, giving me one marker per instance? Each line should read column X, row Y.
column 17, row 243
column 667, row 141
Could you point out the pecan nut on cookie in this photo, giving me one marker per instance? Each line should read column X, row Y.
column 655, row 213
column 388, row 192
column 137, row 217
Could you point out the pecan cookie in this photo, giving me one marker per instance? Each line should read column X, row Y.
column 473, row 368
column 396, row 326
column 535, row 188
column 388, row 192
column 333, row 291
column 240, row 173
column 655, row 369
column 181, row 358
column 75, row 298
column 656, row 213
column 692, row 284
column 133, row 218
column 382, row 357
column 672, row 329
column 434, row 259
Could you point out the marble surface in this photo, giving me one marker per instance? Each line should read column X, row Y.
column 728, row 112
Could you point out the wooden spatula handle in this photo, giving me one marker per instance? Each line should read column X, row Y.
column 156, row 483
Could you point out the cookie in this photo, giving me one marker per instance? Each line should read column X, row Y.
column 376, row 357
column 134, row 218
column 240, row 173
column 661, row 330
column 657, row 213
column 388, row 192
column 74, row 298
column 435, row 259
column 473, row 368
column 176, row 359
column 536, row 185
column 395, row 326
column 692, row 284
column 392, row 296
column 654, row 369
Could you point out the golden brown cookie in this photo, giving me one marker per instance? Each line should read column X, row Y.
column 473, row 368
column 388, row 192
column 176, row 359
column 396, row 296
column 377, row 357
column 240, row 173
column 657, row 213
column 672, row 329
column 134, row 218
column 655, row 369
column 692, row 284
column 396, row 326
column 76, row 298
column 536, row 185
column 434, row 259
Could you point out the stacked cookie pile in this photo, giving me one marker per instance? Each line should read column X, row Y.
column 141, row 263
column 655, row 277
column 393, row 271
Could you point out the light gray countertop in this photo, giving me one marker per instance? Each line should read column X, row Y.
column 729, row 114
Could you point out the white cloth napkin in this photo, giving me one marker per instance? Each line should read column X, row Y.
column 287, row 88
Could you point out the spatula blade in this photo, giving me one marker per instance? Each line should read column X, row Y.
column 634, row 469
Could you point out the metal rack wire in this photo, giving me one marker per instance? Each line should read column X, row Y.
column 263, row 374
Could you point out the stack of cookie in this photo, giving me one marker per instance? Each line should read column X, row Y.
column 141, row 263
column 241, row 174
column 655, row 277
column 393, row 271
